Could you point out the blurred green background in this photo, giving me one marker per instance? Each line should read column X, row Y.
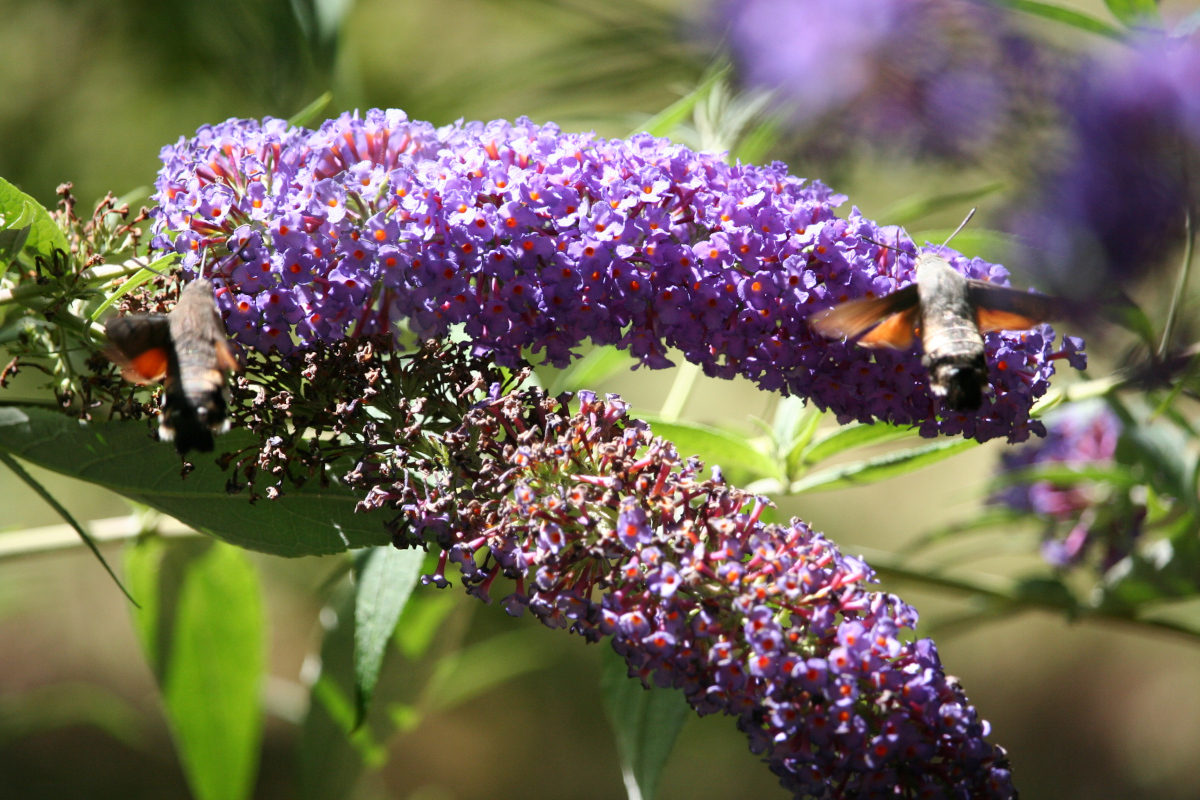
column 89, row 92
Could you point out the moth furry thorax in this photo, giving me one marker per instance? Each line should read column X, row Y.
column 189, row 352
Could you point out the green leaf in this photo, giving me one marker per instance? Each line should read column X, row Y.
column 465, row 674
column 1136, row 13
column 1062, row 474
column 422, row 617
column 667, row 120
column 740, row 461
column 851, row 436
column 385, row 582
column 1165, row 454
column 138, row 278
column 873, row 470
column 330, row 757
column 646, row 723
column 1124, row 312
column 310, row 112
column 982, row 243
column 590, row 370
column 67, row 705
column 19, row 210
column 12, row 241
column 1067, row 16
column 206, row 630
column 918, row 206
column 124, row 457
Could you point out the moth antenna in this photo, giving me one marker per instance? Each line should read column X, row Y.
column 896, row 246
column 961, row 225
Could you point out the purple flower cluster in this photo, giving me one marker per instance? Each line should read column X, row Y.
column 941, row 77
column 1084, row 511
column 607, row 532
column 1113, row 208
column 532, row 238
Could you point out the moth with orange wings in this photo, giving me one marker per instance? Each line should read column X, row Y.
column 189, row 352
column 950, row 313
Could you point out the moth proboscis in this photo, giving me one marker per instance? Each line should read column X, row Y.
column 188, row 351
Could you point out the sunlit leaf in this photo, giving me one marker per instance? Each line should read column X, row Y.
column 18, row 210
column 646, row 723
column 385, row 581
column 202, row 620
column 873, row 470
column 982, row 243
column 311, row 112
column 465, row 674
column 1067, row 16
column 851, row 436
column 740, row 461
column 422, row 617
column 665, row 121
column 918, row 206
column 589, row 371
column 1136, row 13
column 138, row 278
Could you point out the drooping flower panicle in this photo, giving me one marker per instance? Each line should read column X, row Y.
column 532, row 238
column 608, row 532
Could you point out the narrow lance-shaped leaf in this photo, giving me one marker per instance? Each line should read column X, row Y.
column 741, row 461
column 646, row 723
column 873, row 470
column 1067, row 16
column 1136, row 13
column 598, row 364
column 42, row 492
column 204, row 629
column 915, row 207
column 385, row 581
column 849, row 437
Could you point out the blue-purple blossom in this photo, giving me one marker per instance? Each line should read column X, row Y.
column 769, row 623
column 941, row 77
column 532, row 239
column 1082, row 513
column 1113, row 208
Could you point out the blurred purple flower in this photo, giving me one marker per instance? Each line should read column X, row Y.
column 1114, row 208
column 532, row 238
column 1081, row 513
column 939, row 77
column 769, row 623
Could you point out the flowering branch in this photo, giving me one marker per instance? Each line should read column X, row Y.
column 532, row 238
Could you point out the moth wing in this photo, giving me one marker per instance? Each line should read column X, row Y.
column 139, row 344
column 999, row 308
column 226, row 360
column 894, row 315
column 896, row 331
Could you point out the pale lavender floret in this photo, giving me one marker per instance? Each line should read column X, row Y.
column 534, row 239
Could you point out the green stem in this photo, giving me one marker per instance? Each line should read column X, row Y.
column 1181, row 285
column 1005, row 592
column 681, row 389
column 42, row 492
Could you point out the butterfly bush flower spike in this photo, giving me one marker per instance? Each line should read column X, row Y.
column 531, row 238
column 607, row 532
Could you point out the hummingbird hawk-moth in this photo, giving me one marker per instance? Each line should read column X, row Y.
column 189, row 352
column 950, row 313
